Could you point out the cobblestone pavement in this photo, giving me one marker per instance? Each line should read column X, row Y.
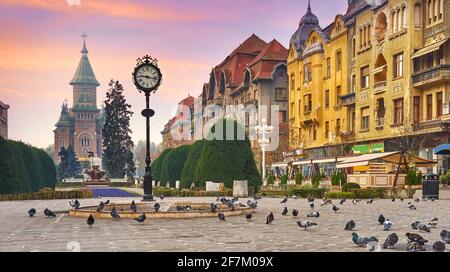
column 19, row 232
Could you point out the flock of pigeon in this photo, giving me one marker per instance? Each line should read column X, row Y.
column 415, row 242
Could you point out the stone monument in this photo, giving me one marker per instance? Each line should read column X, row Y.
column 240, row 188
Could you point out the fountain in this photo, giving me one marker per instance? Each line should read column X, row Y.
column 96, row 177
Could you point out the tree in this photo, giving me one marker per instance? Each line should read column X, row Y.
column 73, row 165
column 63, row 165
column 157, row 164
column 50, row 150
column 117, row 143
column 173, row 165
column 187, row 175
column 139, row 155
column 9, row 177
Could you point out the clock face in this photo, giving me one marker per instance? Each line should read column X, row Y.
column 147, row 77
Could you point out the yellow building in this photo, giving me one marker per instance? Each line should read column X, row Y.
column 393, row 79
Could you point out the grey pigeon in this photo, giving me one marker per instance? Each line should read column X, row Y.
column 411, row 206
column 305, row 224
column 49, row 213
column 361, row 240
column 311, row 205
column 381, row 219
column 31, row 212
column 342, row 201
column 438, row 246
column 313, row 214
column 370, row 201
column 252, row 204
column 101, row 206
column 401, row 199
column 415, row 247
column 270, row 218
column 423, row 227
column 284, row 200
column 133, row 206
column 294, row 212
column 74, row 204
column 417, row 200
column 433, row 223
column 221, row 216
column 445, row 236
column 350, row 225
column 414, row 237
column 213, row 207
column 141, row 218
column 285, row 211
column 415, row 224
column 114, row 214
column 391, row 240
column 335, row 208
column 90, row 220
column 107, row 202
column 157, row 206
column 387, row 225
column 256, row 197
column 393, row 199
column 249, row 216
column 161, row 196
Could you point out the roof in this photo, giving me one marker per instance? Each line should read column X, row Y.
column 273, row 54
column 390, row 157
column 84, row 73
column 308, row 22
column 188, row 101
column 64, row 118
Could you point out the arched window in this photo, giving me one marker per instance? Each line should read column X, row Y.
column 360, row 38
column 364, row 36
column 393, row 24
column 417, row 15
column 404, row 17
column 368, row 34
column 441, row 8
column 397, row 21
column 436, row 9
column 430, row 11
column 354, row 48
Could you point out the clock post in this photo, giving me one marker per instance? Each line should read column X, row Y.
column 147, row 78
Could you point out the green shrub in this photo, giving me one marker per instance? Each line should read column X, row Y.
column 316, row 179
column 284, row 179
column 298, row 179
column 308, row 192
column 336, row 195
column 271, row 179
column 189, row 168
column 419, row 178
column 349, row 186
column 157, row 164
column 367, row 193
column 173, row 165
column 338, row 179
column 48, row 193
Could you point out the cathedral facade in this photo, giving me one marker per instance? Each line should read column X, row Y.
column 81, row 125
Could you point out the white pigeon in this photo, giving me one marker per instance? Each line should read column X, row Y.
column 387, row 225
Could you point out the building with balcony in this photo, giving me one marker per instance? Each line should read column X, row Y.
column 4, row 120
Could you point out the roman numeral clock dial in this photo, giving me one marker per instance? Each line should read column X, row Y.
column 147, row 77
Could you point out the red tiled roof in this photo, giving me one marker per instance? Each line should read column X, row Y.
column 188, row 101
column 273, row 53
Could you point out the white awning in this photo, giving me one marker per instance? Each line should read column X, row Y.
column 279, row 164
column 301, row 162
column 328, row 160
column 390, row 157
column 428, row 49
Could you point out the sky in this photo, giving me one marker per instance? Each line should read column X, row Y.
column 40, row 44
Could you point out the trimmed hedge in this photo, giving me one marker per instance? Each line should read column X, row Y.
column 308, row 192
column 369, row 193
column 173, row 165
column 157, row 164
column 336, row 195
column 188, row 193
column 24, row 168
column 189, row 168
column 48, row 193
column 349, row 186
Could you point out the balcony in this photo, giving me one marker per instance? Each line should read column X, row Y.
column 251, row 101
column 434, row 125
column 379, row 87
column 348, row 99
column 347, row 136
column 379, row 123
column 434, row 75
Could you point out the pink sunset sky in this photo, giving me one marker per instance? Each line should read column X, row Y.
column 40, row 43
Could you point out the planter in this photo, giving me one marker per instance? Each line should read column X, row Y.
column 417, row 187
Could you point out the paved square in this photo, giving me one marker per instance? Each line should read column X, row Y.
column 19, row 232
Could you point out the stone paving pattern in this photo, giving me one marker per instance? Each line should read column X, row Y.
column 19, row 232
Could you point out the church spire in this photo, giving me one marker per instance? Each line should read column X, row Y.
column 84, row 73
column 309, row 6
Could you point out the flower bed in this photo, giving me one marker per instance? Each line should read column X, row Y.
column 48, row 193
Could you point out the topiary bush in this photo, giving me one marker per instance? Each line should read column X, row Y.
column 157, row 164
column 308, row 192
column 368, row 193
column 349, row 186
column 173, row 165
column 189, row 168
column 336, row 195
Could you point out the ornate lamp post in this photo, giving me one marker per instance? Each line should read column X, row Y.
column 262, row 130
column 147, row 78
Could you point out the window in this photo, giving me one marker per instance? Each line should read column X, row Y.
column 308, row 103
column 338, row 127
column 338, row 95
column 327, row 129
column 360, row 38
column 308, row 72
column 314, row 133
column 292, row 82
column 338, row 61
column 368, row 35
column 63, row 143
column 429, row 107
column 436, row 9
column 398, row 111
column 439, row 104
column 417, row 15
column 441, row 9
column 365, row 119
column 353, row 84
column 354, row 48
column 281, row 116
column 416, row 109
column 327, row 99
column 292, row 109
column 280, row 94
column 85, row 142
column 328, row 69
column 393, row 22
column 365, row 77
column 404, row 17
column 381, row 109
column 430, row 11
column 398, row 65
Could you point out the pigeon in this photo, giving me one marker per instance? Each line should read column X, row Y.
column 355, row 201
column 411, row 206
column 252, row 204
column 423, row 227
column 393, row 199
column 74, row 204
column 342, row 201
column 284, row 200
column 101, row 206
column 335, row 208
column 310, row 199
column 438, row 246
column 417, row 200
column 391, row 240
column 305, row 224
column 107, row 202
column 370, row 201
column 90, row 220
column 31, row 212
column 256, row 197
column 141, row 218
column 49, row 213
column 361, row 240
column 387, row 225
column 161, row 196
column 313, row 214
column 433, row 223
column 401, row 199
column 270, row 218
column 114, row 214
column 445, row 236
column 157, row 206
column 285, row 211
column 413, row 237
column 414, row 247
column 381, row 219
column 248, row 216
column 311, row 206
column 133, row 206
column 221, row 216
column 218, row 195
column 294, row 212
column 350, row 225
column 213, row 207
column 415, row 224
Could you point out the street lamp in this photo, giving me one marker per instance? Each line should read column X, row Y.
column 263, row 142
column 147, row 78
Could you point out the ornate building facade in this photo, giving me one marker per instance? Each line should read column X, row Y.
column 4, row 120
column 81, row 125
